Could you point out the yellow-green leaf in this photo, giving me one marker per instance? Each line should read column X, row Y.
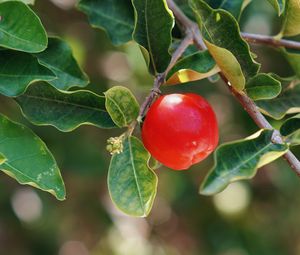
column 2, row 159
column 195, row 66
column 221, row 34
column 291, row 22
column 279, row 6
column 121, row 105
column 228, row 64
column 132, row 184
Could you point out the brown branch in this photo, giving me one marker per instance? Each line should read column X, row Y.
column 260, row 120
column 189, row 25
column 244, row 100
column 270, row 41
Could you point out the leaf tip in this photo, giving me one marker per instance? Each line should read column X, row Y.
column 207, row 189
column 59, row 193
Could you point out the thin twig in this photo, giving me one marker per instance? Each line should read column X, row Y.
column 270, row 41
column 247, row 103
column 189, row 25
column 160, row 78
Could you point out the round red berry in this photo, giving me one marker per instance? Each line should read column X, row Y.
column 180, row 130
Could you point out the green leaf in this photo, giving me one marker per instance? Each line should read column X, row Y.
column 131, row 184
column 279, row 5
column 194, row 67
column 28, row 160
column 153, row 27
column 18, row 70
column 2, row 159
column 293, row 57
column 59, row 59
column 291, row 126
column 286, row 103
column 44, row 105
column 291, row 130
column 285, row 81
column 20, row 28
column 222, row 37
column 235, row 7
column 240, row 160
column 121, row 105
column 263, row 86
column 291, row 22
column 114, row 16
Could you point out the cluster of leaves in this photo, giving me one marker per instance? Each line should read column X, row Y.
column 130, row 187
column 29, row 55
column 37, row 71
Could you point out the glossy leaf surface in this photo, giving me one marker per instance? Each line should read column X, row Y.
column 153, row 26
column 44, row 105
column 114, row 16
column 59, row 59
column 240, row 160
column 20, row 28
column 222, row 37
column 18, row 70
column 287, row 102
column 28, row 160
column 263, row 86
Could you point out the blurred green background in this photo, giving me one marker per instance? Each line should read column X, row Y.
column 256, row 217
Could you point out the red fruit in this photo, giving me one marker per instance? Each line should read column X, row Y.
column 180, row 130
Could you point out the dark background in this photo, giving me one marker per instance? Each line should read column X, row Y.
column 256, row 217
